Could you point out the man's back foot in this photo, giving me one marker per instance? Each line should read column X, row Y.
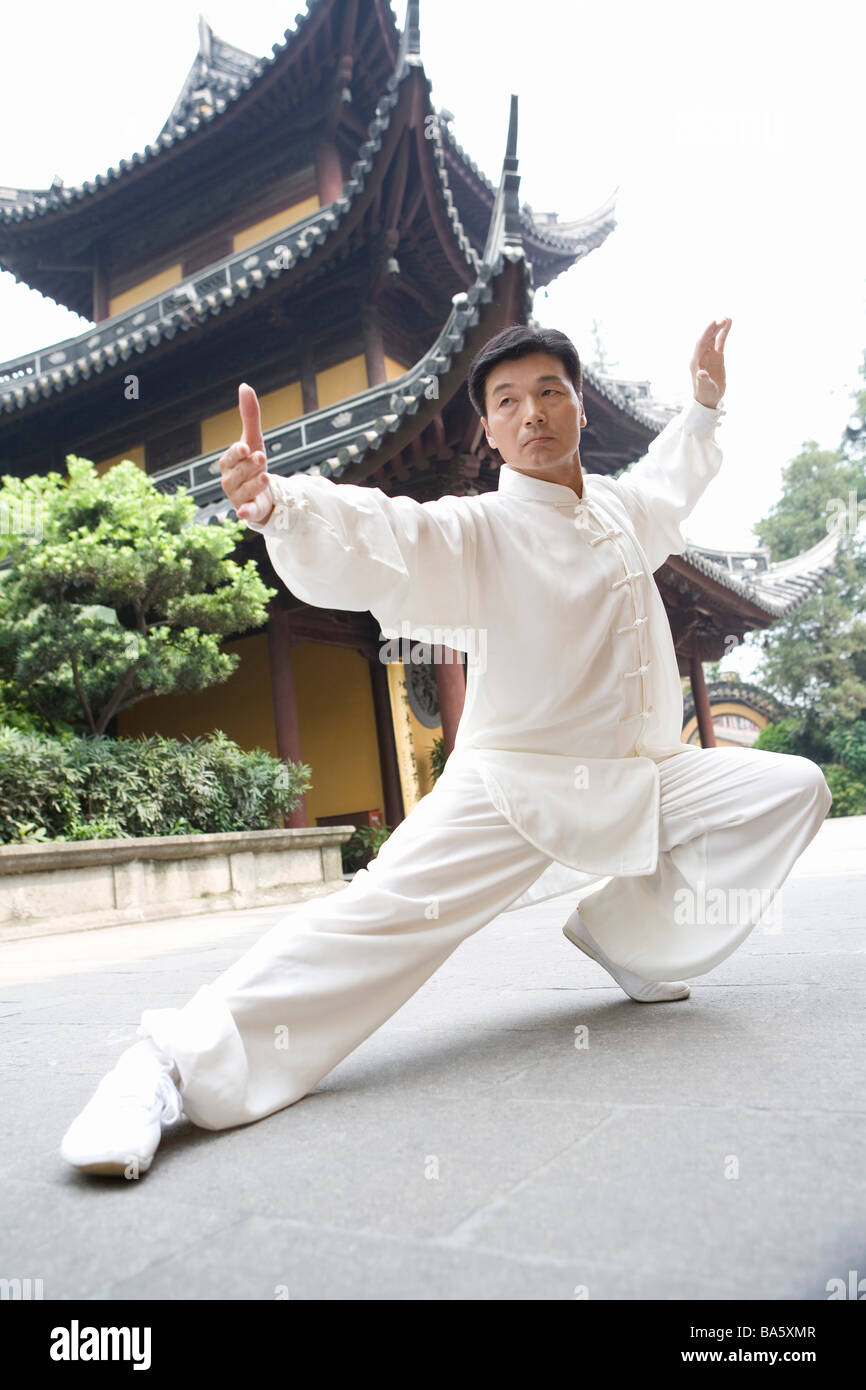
column 119, row 1129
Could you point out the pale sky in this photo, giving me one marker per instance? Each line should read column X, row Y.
column 734, row 133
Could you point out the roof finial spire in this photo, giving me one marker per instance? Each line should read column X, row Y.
column 504, row 228
column 410, row 40
column 205, row 34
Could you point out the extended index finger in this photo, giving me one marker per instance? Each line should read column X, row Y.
column 251, row 417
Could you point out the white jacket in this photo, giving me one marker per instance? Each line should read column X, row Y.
column 573, row 689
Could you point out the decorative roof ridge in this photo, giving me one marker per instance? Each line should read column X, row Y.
column 409, row 52
column 579, row 229
column 504, row 229
column 631, row 397
column 786, row 585
column 826, row 547
column 410, row 56
column 559, row 236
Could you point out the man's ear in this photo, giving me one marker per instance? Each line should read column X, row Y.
column 486, row 429
column 582, row 411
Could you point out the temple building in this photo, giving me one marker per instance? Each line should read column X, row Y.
column 739, row 711
column 308, row 223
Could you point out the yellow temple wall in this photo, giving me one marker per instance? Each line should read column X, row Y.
column 219, row 431
column 347, row 378
column 393, row 369
column 240, row 706
column 257, row 231
column 247, row 236
column 163, row 280
column 337, row 723
column 135, row 455
column 335, row 716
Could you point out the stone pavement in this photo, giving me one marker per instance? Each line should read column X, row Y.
column 471, row 1148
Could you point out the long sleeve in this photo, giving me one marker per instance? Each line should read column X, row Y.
column 339, row 545
column 662, row 488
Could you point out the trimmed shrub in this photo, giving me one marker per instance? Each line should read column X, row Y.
column 80, row 787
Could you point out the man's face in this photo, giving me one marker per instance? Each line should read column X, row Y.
column 534, row 415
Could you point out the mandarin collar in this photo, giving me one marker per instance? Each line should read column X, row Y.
column 537, row 489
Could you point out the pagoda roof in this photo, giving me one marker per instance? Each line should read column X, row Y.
column 26, row 380
column 225, row 83
column 232, row 72
column 287, row 81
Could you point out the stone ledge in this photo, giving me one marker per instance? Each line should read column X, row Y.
column 59, row 854
column 89, row 884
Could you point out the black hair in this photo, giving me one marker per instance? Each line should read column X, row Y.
column 520, row 341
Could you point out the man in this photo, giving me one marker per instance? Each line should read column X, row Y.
column 568, row 764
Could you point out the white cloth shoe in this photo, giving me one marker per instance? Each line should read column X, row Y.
column 641, row 990
column 118, row 1130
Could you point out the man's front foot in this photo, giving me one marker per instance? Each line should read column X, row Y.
column 639, row 989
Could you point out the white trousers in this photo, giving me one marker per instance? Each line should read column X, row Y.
column 732, row 823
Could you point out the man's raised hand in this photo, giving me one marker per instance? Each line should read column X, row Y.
column 708, row 363
column 244, row 465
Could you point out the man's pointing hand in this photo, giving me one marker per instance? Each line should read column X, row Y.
column 244, row 465
column 708, row 363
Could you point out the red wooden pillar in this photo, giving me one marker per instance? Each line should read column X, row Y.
column 374, row 349
column 451, row 687
column 702, row 702
column 393, row 792
column 329, row 172
column 100, row 289
column 284, row 703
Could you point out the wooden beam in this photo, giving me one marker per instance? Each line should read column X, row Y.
column 397, row 190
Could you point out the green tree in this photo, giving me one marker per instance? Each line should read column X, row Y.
column 815, row 659
column 116, row 595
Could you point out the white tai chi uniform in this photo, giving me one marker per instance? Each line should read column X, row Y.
column 568, row 764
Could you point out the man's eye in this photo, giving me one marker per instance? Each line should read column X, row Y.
column 504, row 400
column 550, row 390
